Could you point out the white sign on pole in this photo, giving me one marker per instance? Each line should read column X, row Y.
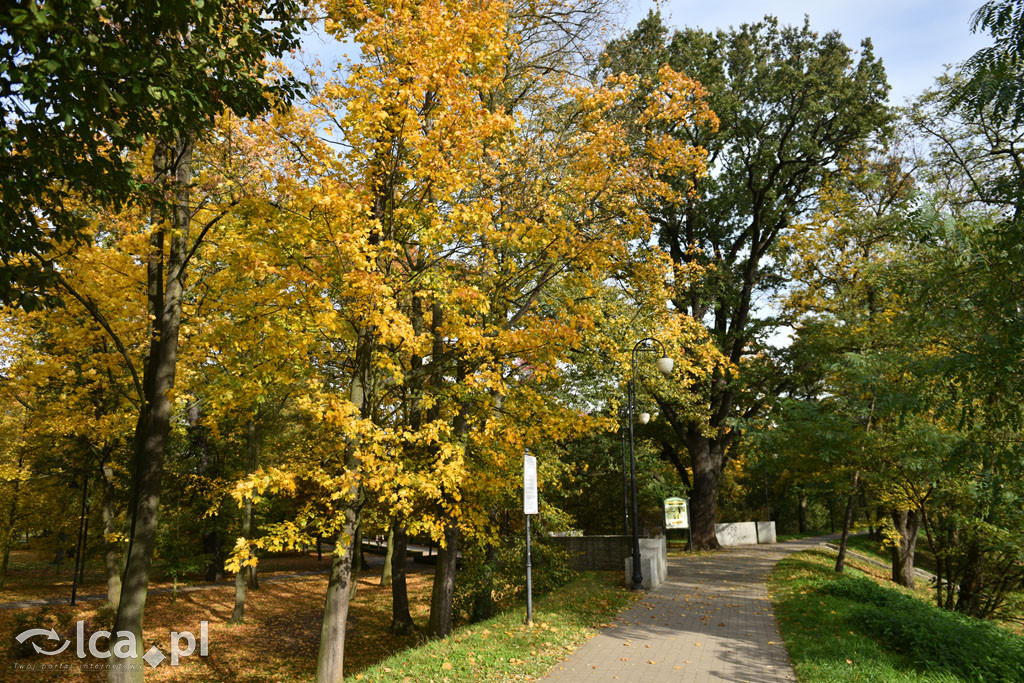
column 529, row 485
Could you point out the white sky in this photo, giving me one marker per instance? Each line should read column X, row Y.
column 914, row 38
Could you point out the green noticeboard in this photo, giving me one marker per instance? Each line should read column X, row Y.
column 677, row 513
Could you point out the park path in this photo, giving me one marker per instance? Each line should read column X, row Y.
column 709, row 621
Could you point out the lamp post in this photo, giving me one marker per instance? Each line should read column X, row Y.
column 625, row 479
column 664, row 365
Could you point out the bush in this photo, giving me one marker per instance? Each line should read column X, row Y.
column 932, row 637
column 495, row 577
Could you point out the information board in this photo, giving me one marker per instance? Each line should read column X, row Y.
column 677, row 513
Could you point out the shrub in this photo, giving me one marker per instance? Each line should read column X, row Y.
column 495, row 577
column 932, row 637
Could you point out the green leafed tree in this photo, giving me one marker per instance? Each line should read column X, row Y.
column 792, row 103
column 993, row 75
column 83, row 83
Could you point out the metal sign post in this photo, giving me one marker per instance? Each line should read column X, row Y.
column 529, row 508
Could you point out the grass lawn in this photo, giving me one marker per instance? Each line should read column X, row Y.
column 923, row 558
column 278, row 641
column 856, row 627
column 503, row 648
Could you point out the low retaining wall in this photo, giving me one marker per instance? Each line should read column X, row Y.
column 615, row 553
column 766, row 532
column 596, row 552
column 745, row 533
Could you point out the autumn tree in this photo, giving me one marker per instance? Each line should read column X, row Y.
column 429, row 271
column 65, row 370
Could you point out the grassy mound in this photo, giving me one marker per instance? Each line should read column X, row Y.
column 850, row 628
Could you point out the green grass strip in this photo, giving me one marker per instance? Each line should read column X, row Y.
column 503, row 648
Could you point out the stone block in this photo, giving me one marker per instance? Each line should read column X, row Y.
column 736, row 533
column 649, row 567
column 766, row 532
column 660, row 549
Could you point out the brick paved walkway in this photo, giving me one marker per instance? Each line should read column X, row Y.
column 710, row 621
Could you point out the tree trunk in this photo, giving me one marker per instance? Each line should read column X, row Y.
column 252, row 444
column 331, row 656
column 847, row 521
column 238, row 613
column 952, row 538
column 385, row 574
column 907, row 524
column 707, row 469
column 968, row 599
column 932, row 542
column 330, row 664
column 357, row 560
column 8, row 542
column 802, row 511
column 252, row 579
column 254, row 437
column 212, row 548
column 62, row 548
column 111, row 549
column 172, row 162
column 6, row 561
column 9, row 530
column 199, row 449
column 401, row 619
column 443, row 593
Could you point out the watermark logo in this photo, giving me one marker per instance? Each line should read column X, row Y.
column 50, row 635
column 182, row 644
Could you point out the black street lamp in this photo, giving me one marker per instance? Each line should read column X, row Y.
column 664, row 365
column 625, row 479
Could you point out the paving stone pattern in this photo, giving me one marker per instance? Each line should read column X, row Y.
column 709, row 621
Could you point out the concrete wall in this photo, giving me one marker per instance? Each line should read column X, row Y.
column 736, row 533
column 653, row 563
column 658, row 547
column 745, row 533
column 596, row 552
column 766, row 532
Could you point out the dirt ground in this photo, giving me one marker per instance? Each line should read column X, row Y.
column 277, row 642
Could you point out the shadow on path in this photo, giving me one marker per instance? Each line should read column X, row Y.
column 709, row 621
